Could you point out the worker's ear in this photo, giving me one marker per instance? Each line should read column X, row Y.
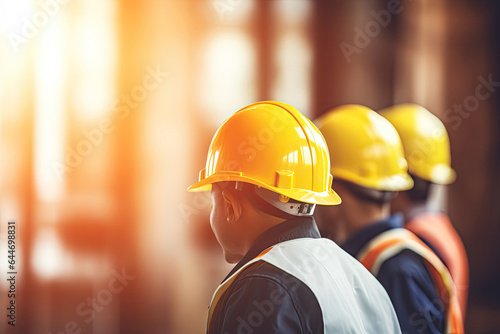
column 233, row 206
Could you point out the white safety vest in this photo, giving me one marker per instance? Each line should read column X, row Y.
column 350, row 297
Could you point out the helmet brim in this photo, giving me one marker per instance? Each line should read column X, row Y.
column 329, row 197
column 440, row 174
column 396, row 182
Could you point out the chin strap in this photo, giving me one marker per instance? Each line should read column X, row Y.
column 282, row 203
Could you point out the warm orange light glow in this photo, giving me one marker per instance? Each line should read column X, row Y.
column 95, row 59
column 49, row 259
column 50, row 112
column 293, row 61
column 228, row 75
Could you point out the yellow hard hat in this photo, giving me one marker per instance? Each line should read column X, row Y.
column 425, row 141
column 271, row 145
column 365, row 149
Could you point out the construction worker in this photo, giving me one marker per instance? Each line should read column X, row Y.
column 427, row 150
column 367, row 159
column 267, row 168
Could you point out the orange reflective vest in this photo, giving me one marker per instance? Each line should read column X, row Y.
column 437, row 229
column 392, row 242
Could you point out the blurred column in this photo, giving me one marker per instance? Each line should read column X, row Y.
column 133, row 42
column 354, row 53
column 17, row 191
column 471, row 116
column 263, row 31
column 169, row 293
column 420, row 55
column 291, row 60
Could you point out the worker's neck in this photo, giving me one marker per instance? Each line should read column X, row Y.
column 257, row 224
column 363, row 214
column 414, row 205
column 404, row 204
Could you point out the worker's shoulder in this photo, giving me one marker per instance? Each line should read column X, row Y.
column 265, row 280
column 269, row 273
column 283, row 300
column 408, row 282
column 313, row 261
column 290, row 263
column 405, row 264
column 308, row 249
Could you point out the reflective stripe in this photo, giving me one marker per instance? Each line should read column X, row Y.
column 223, row 287
column 390, row 243
column 351, row 299
column 437, row 229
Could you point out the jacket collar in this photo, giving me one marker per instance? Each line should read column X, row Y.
column 417, row 209
column 303, row 227
column 358, row 240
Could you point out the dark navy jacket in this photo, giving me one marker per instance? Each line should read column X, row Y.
column 245, row 307
column 407, row 281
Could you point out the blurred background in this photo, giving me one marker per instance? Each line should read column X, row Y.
column 107, row 109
